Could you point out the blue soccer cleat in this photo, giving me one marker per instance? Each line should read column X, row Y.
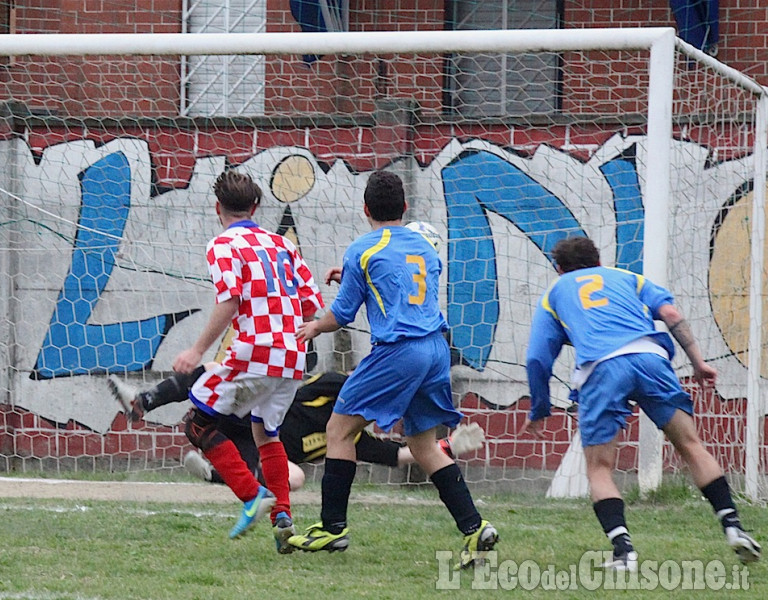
column 253, row 510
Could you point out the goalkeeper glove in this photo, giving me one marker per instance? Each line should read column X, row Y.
column 465, row 438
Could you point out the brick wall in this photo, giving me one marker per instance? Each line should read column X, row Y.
column 150, row 87
column 743, row 45
column 743, row 41
column 95, row 87
column 98, row 16
column 349, row 84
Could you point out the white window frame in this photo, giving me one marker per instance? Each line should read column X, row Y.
column 503, row 105
column 223, row 86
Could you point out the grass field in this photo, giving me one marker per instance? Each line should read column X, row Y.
column 69, row 549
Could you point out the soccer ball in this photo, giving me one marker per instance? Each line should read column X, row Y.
column 428, row 231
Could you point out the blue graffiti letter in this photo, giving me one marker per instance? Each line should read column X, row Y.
column 475, row 183
column 72, row 346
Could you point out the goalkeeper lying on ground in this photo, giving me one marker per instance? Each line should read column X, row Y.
column 302, row 431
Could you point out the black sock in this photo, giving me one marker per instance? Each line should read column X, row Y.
column 610, row 513
column 173, row 389
column 455, row 495
column 336, row 485
column 718, row 493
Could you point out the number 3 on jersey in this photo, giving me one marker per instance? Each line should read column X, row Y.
column 591, row 284
column 419, row 278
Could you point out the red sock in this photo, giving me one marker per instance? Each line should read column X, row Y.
column 274, row 466
column 227, row 461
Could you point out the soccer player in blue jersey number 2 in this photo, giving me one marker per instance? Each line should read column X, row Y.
column 607, row 315
column 395, row 272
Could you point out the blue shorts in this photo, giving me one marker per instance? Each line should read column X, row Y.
column 646, row 378
column 408, row 379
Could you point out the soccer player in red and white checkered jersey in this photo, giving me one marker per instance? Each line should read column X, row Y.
column 265, row 290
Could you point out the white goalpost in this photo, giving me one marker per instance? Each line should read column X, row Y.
column 507, row 141
column 368, row 42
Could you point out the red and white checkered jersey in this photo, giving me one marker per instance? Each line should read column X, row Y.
column 275, row 287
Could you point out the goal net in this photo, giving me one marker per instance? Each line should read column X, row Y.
column 507, row 142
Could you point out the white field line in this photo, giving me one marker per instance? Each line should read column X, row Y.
column 137, row 511
column 177, row 493
column 35, row 595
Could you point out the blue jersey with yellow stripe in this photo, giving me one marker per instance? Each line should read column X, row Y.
column 396, row 272
column 598, row 310
column 602, row 309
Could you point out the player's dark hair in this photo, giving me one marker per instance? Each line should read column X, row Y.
column 236, row 192
column 384, row 196
column 576, row 253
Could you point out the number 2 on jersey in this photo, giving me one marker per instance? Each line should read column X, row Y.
column 419, row 278
column 591, row 284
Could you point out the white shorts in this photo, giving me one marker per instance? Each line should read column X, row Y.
column 222, row 391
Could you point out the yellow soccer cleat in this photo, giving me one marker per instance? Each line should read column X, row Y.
column 477, row 545
column 316, row 538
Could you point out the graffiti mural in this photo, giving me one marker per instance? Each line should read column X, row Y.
column 72, row 345
column 117, row 282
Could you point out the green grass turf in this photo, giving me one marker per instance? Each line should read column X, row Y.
column 77, row 550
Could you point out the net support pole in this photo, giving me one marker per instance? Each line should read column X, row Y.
column 657, row 189
column 755, row 409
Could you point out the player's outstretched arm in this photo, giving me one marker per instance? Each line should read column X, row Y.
column 466, row 438
column 310, row 330
column 333, row 275
column 704, row 374
column 219, row 321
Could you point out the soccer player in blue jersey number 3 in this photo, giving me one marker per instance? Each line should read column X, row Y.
column 607, row 315
column 395, row 272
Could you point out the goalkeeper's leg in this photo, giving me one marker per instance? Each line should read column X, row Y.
column 173, row 389
column 137, row 403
